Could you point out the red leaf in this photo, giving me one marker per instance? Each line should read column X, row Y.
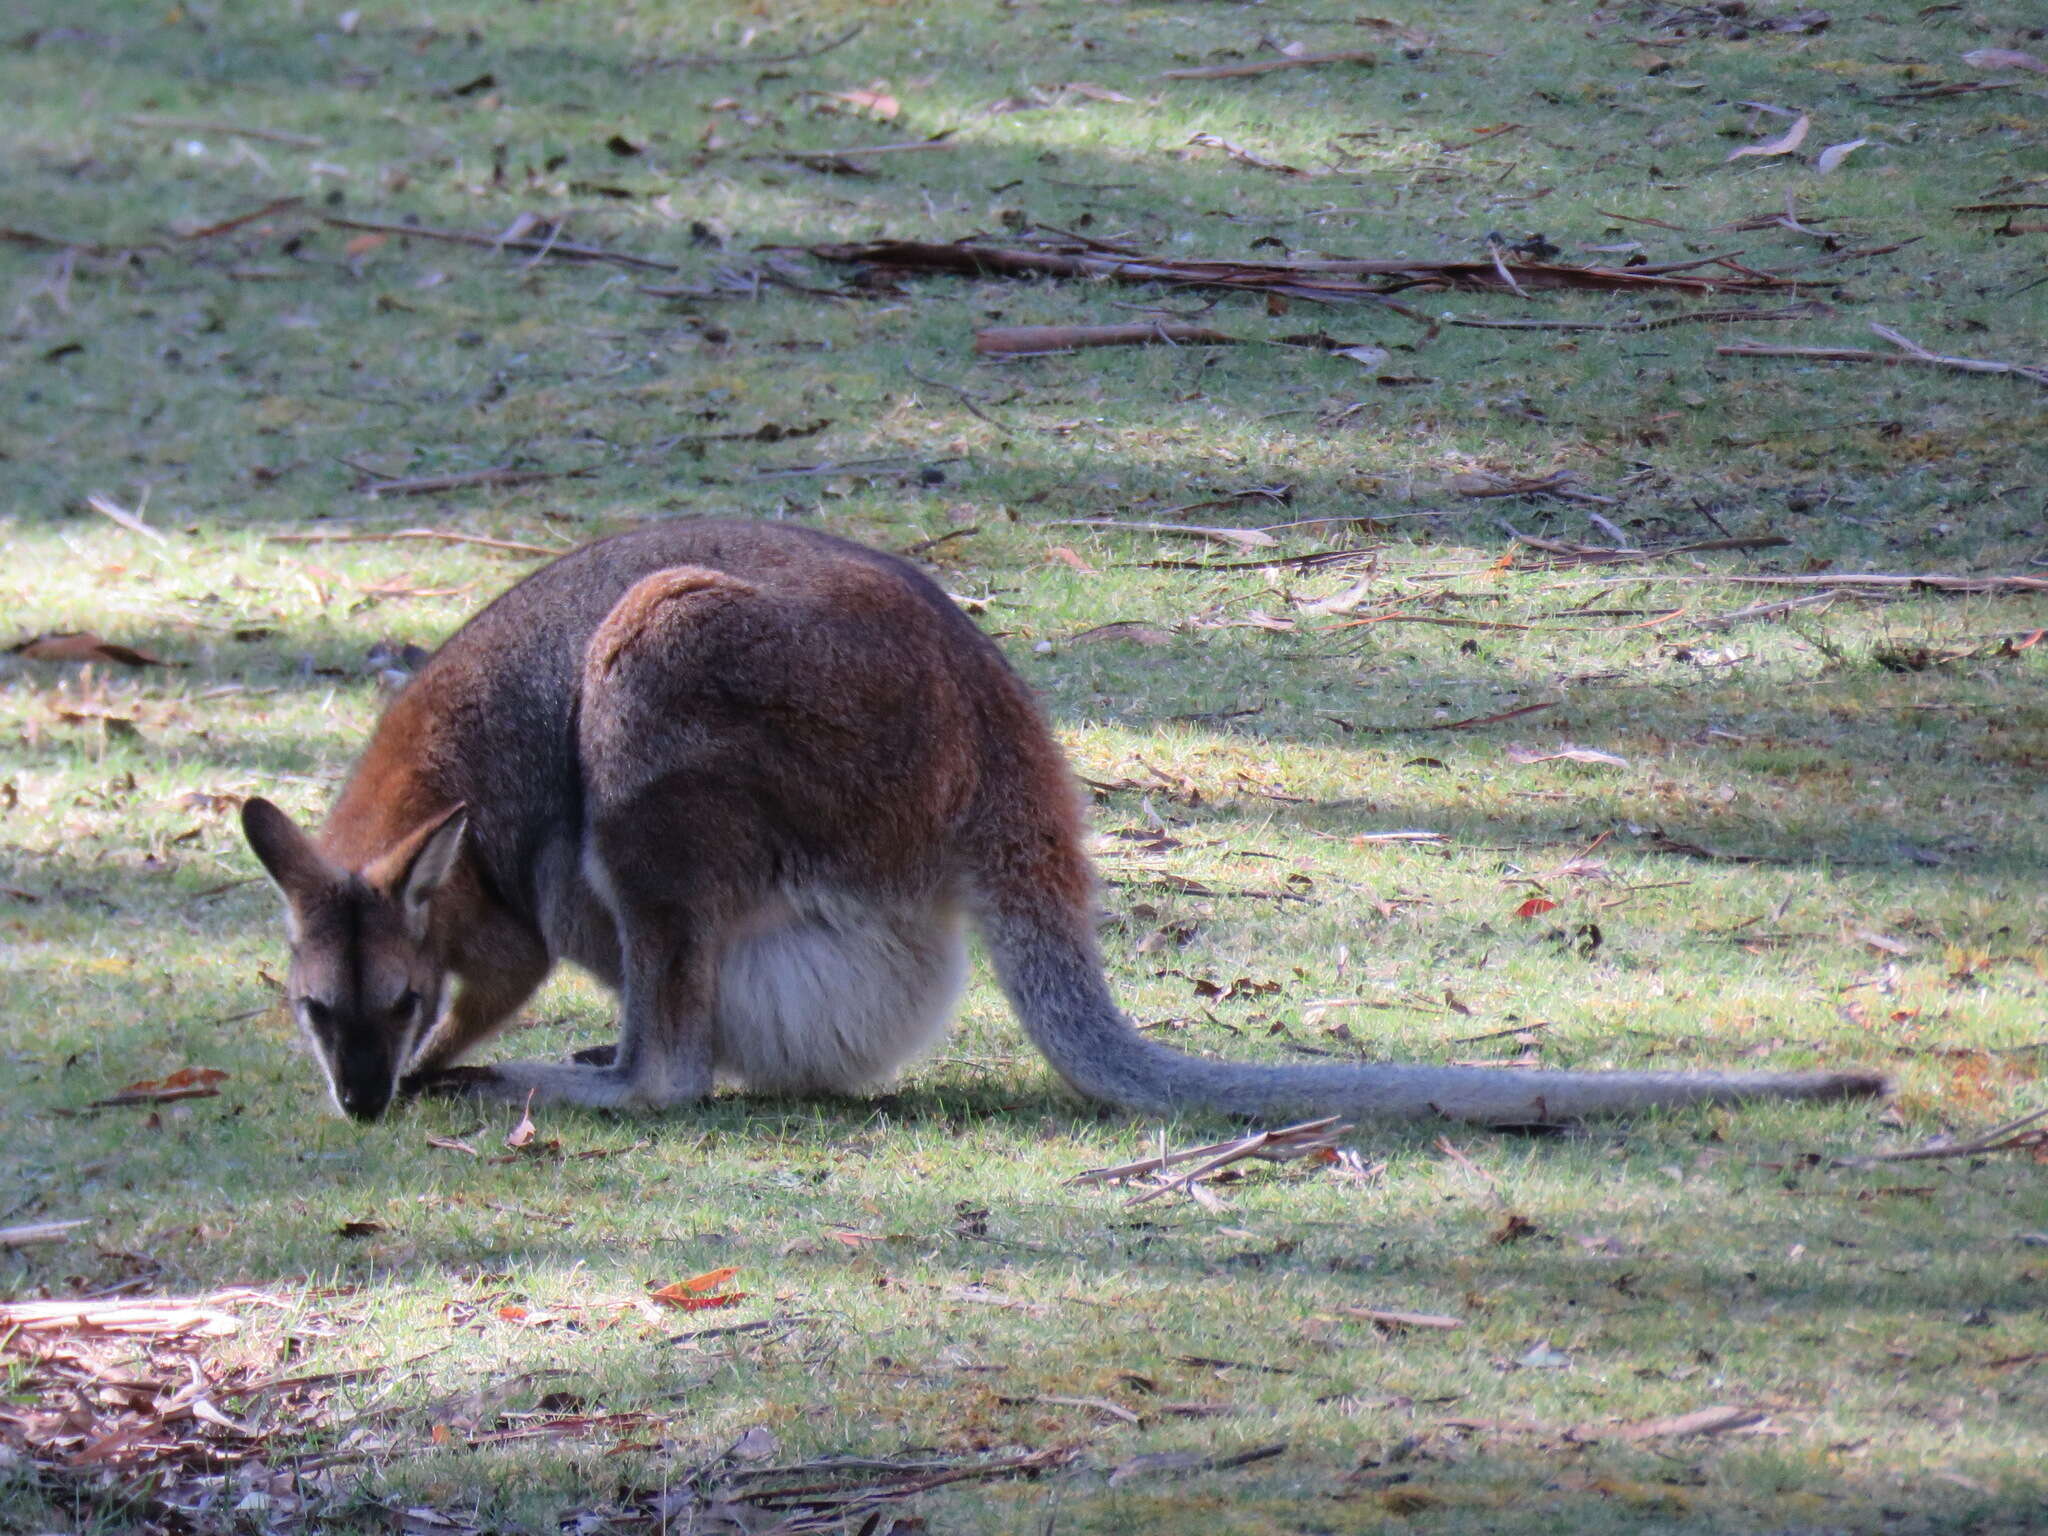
column 1535, row 906
column 688, row 1295
column 699, row 1303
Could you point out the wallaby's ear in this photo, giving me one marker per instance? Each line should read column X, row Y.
column 413, row 871
column 285, row 851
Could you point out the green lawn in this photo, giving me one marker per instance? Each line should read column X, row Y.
column 1822, row 841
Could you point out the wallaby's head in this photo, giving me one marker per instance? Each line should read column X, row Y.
column 366, row 978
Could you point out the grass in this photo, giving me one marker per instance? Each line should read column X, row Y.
column 1877, row 763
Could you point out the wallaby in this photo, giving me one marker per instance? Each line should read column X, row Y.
column 759, row 780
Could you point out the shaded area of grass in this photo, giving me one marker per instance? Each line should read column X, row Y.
column 1887, row 1322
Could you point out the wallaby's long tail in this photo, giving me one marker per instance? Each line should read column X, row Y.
column 1054, row 981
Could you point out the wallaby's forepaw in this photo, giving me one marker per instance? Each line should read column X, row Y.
column 595, row 1055
column 552, row 1082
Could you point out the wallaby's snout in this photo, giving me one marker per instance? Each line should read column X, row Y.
column 363, row 1102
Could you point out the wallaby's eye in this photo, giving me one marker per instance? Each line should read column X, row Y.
column 408, row 1005
column 318, row 1014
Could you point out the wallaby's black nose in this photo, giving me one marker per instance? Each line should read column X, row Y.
column 364, row 1104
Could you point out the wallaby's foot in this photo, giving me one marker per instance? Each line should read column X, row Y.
column 595, row 1055
column 551, row 1082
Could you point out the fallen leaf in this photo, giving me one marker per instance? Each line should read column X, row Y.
column 1784, row 144
column 756, row 1444
column 1535, row 906
column 1543, row 1358
column 690, row 1295
column 1835, row 154
column 2004, row 58
column 876, row 104
column 710, row 1280
column 362, row 245
column 1521, row 754
column 1513, row 1228
column 1398, row 1320
column 700, row 1303
column 82, row 645
column 523, row 1133
column 365, row 1228
column 1065, row 556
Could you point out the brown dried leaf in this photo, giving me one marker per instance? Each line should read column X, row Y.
column 82, row 645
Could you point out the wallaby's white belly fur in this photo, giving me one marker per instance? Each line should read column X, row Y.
column 825, row 991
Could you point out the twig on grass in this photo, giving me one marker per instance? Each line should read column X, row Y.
column 1467, row 724
column 436, row 534
column 2009, row 1137
column 1267, row 66
column 1850, row 583
column 1910, row 354
column 113, row 511
column 1307, row 1139
column 230, row 130
column 834, row 159
column 1660, row 322
column 1561, row 484
column 208, row 231
column 1765, row 610
column 39, row 1232
column 1242, row 538
column 965, row 399
column 1591, row 554
column 458, row 480
column 546, row 245
column 750, row 60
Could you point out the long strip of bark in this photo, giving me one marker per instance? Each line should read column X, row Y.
column 1317, row 280
column 1592, row 554
column 1031, row 340
column 1661, row 322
